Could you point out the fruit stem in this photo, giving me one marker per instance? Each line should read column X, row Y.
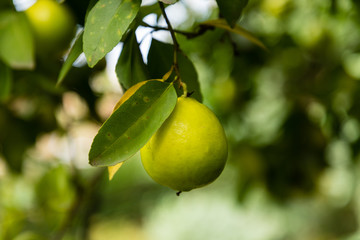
column 178, row 193
column 184, row 87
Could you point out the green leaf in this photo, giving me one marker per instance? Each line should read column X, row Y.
column 105, row 25
column 75, row 52
column 231, row 9
column 220, row 23
column 5, row 81
column 160, row 59
column 189, row 76
column 133, row 123
column 130, row 68
column 16, row 41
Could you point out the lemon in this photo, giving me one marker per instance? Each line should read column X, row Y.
column 52, row 23
column 189, row 150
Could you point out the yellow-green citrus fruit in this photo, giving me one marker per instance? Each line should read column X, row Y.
column 53, row 24
column 189, row 150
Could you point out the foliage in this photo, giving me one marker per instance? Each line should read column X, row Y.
column 281, row 75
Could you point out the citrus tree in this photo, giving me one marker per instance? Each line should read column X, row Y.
column 46, row 27
column 261, row 95
column 37, row 53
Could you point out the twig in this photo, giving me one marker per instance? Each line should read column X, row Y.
column 175, row 42
column 185, row 33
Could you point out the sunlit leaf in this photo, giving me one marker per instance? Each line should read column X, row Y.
column 133, row 123
column 160, row 59
column 231, row 9
column 5, row 81
column 75, row 52
column 130, row 68
column 16, row 41
column 105, row 25
column 221, row 23
column 113, row 169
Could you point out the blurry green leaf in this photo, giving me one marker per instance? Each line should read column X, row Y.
column 16, row 41
column 160, row 59
column 55, row 190
column 5, row 81
column 16, row 136
column 130, row 68
column 133, row 123
column 220, row 23
column 29, row 236
column 6, row 4
column 231, row 9
column 75, row 52
column 105, row 25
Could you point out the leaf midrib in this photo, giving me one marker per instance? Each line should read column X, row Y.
column 134, row 123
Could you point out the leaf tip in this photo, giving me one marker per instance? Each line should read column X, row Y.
column 93, row 161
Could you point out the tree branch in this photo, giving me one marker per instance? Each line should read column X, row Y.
column 185, row 33
column 175, row 42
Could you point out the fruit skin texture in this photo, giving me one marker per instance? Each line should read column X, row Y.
column 189, row 150
column 53, row 24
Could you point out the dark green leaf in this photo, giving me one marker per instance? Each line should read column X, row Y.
column 5, row 81
column 75, row 52
column 16, row 136
column 148, row 9
column 16, row 41
column 6, row 4
column 160, row 59
column 189, row 76
column 130, row 68
column 105, row 25
column 231, row 9
column 133, row 123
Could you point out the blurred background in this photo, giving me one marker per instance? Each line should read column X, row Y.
column 291, row 114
